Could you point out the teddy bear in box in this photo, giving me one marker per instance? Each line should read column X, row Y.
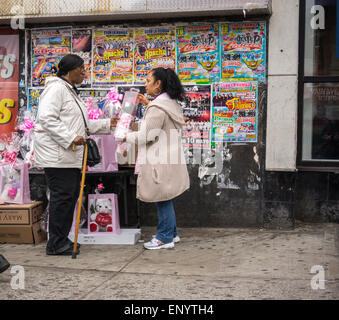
column 101, row 218
column 10, row 185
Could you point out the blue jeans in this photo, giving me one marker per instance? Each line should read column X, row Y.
column 167, row 228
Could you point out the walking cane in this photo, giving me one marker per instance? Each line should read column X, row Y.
column 74, row 254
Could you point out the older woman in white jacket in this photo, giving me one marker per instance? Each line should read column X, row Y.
column 58, row 126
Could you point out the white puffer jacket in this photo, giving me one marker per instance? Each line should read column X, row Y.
column 58, row 122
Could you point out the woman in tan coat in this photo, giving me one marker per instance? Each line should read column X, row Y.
column 162, row 172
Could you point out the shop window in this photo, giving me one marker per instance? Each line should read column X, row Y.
column 318, row 118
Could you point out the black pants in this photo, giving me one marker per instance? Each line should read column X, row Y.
column 64, row 186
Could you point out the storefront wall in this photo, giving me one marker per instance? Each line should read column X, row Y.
column 226, row 186
column 257, row 185
column 291, row 191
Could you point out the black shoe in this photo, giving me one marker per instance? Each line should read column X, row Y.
column 65, row 251
column 4, row 264
column 72, row 244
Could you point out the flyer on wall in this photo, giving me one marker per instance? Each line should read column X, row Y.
column 49, row 46
column 197, row 111
column 82, row 46
column 234, row 112
column 243, row 51
column 97, row 95
column 112, row 57
column 33, row 101
column 154, row 47
column 198, row 58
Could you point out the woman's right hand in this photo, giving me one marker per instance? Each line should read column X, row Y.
column 79, row 140
column 143, row 100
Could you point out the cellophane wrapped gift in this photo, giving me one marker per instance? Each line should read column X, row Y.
column 14, row 183
column 112, row 106
column 127, row 115
column 107, row 148
column 103, row 214
column 14, row 178
column 93, row 110
column 26, row 142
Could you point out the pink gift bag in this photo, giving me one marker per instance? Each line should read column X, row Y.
column 107, row 148
column 14, row 183
column 103, row 214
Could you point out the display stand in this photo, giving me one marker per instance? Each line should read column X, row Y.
column 127, row 236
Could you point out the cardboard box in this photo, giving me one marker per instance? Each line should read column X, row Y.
column 20, row 223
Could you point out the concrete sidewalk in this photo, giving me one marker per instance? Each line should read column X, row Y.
column 206, row 264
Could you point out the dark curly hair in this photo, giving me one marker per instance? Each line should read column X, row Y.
column 170, row 82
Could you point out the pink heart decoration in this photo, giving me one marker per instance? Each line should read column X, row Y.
column 12, row 193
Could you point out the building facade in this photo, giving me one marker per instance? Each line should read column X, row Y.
column 260, row 76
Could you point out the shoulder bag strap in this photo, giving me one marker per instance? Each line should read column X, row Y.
column 76, row 100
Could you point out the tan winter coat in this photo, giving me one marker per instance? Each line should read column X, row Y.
column 163, row 172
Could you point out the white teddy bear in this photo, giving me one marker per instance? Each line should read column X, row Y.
column 101, row 220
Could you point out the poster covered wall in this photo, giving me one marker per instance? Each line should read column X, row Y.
column 243, row 51
column 112, row 57
column 154, row 47
column 198, row 53
column 234, row 112
column 219, row 65
column 49, row 46
column 197, row 111
column 9, row 75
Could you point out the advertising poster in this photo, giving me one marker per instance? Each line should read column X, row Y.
column 98, row 96
column 33, row 101
column 9, row 66
column 112, row 57
column 154, row 47
column 197, row 111
column 243, row 51
column 82, row 46
column 49, row 46
column 198, row 59
column 234, row 112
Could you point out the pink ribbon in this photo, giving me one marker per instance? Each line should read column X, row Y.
column 94, row 112
column 27, row 125
column 114, row 96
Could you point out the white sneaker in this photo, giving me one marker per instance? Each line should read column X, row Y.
column 157, row 244
column 175, row 239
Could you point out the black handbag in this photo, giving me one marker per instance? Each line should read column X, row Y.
column 93, row 154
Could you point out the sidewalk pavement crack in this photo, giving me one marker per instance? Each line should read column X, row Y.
column 113, row 276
